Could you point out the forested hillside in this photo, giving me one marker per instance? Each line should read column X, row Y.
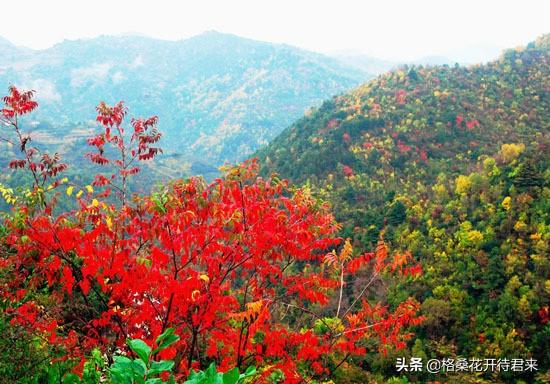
column 452, row 163
column 218, row 96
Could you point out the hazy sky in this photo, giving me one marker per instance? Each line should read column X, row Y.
column 391, row 29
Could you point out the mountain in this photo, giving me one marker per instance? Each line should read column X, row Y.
column 470, row 54
column 377, row 66
column 451, row 164
column 432, row 60
column 364, row 62
column 218, row 96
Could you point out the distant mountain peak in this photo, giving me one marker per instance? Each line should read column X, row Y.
column 218, row 96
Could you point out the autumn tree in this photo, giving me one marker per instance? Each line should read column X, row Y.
column 244, row 269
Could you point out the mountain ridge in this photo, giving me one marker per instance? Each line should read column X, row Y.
column 218, row 96
column 403, row 86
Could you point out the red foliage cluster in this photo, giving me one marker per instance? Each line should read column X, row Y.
column 348, row 171
column 137, row 147
column 471, row 124
column 245, row 269
column 401, row 96
column 459, row 120
column 17, row 104
column 403, row 148
column 544, row 315
column 333, row 123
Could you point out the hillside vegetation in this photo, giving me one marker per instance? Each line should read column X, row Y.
column 453, row 164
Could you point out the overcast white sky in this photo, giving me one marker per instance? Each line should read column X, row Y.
column 392, row 29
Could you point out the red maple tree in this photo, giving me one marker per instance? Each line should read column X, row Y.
column 247, row 270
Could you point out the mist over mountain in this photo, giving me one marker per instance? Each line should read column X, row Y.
column 471, row 54
column 218, row 96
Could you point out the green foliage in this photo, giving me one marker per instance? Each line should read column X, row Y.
column 23, row 358
column 91, row 373
column 212, row 376
column 144, row 369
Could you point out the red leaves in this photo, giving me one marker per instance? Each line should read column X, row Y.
column 333, row 123
column 18, row 103
column 50, row 166
column 401, row 96
column 402, row 147
column 26, row 315
column 367, row 145
column 544, row 315
column 111, row 116
column 358, row 262
column 423, row 156
column 100, row 180
column 221, row 263
column 348, row 171
column 459, row 120
column 85, row 286
column 8, row 113
column 68, row 279
column 471, row 124
column 17, row 164
column 97, row 141
column 129, row 148
column 217, row 262
column 97, row 158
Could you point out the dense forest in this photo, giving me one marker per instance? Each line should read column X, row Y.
column 452, row 163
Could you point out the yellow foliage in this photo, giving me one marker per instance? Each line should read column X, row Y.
column 475, row 237
column 347, row 251
column 463, row 184
column 204, row 278
column 8, row 195
column 336, row 261
column 251, row 313
column 513, row 284
column 524, row 306
column 520, row 226
column 535, row 236
column 510, row 152
column 439, row 190
column 194, row 294
column 109, row 222
column 507, row 203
